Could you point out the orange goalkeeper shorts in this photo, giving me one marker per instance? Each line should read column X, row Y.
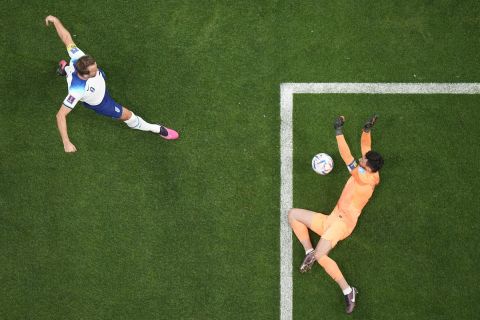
column 331, row 227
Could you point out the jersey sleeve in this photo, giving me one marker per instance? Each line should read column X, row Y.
column 74, row 52
column 72, row 98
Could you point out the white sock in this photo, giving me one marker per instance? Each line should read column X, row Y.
column 308, row 251
column 347, row 291
column 136, row 122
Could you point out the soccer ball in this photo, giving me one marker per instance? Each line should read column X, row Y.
column 322, row 164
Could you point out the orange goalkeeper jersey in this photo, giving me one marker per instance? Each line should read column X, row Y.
column 359, row 187
column 356, row 193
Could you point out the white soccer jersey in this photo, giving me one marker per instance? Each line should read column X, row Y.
column 90, row 91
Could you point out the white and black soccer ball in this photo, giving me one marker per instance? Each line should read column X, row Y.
column 322, row 164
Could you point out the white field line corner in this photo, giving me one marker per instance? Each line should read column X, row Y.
column 287, row 90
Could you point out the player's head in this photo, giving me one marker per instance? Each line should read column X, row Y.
column 372, row 161
column 86, row 67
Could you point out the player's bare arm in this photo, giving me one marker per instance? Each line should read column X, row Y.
column 62, row 32
column 62, row 128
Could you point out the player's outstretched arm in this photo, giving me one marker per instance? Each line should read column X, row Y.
column 366, row 140
column 342, row 144
column 62, row 32
column 62, row 128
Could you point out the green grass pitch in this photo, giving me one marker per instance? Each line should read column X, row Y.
column 135, row 227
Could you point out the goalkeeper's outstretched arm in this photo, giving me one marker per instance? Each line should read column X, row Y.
column 366, row 140
column 341, row 142
column 62, row 32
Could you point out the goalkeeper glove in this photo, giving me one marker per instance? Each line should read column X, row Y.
column 369, row 124
column 338, row 124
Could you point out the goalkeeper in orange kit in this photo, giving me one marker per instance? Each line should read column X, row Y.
column 341, row 222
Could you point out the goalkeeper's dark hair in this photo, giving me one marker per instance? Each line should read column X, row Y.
column 374, row 160
column 83, row 63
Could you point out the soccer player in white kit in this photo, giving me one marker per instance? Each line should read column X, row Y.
column 86, row 83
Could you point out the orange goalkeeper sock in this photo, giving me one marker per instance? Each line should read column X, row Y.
column 330, row 267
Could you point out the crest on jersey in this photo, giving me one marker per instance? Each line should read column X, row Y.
column 70, row 99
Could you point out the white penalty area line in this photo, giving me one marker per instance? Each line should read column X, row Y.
column 287, row 90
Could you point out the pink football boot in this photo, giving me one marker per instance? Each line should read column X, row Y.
column 168, row 134
column 61, row 68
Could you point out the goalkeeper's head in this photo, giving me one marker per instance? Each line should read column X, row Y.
column 372, row 160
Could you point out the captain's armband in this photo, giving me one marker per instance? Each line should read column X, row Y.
column 74, row 52
column 72, row 48
column 352, row 165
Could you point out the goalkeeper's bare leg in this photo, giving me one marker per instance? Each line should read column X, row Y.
column 301, row 220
